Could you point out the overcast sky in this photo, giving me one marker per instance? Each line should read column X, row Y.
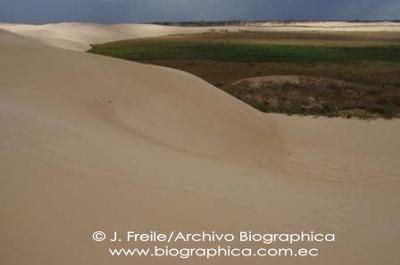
column 116, row 11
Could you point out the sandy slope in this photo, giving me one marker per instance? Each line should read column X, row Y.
column 91, row 143
column 79, row 36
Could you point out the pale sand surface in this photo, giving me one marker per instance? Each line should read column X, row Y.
column 334, row 26
column 89, row 142
column 79, row 36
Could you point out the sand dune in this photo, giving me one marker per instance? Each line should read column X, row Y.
column 90, row 143
column 339, row 26
column 12, row 39
column 79, row 36
column 197, row 117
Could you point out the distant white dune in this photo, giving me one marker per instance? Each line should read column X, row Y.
column 335, row 26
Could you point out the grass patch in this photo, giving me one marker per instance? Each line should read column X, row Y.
column 243, row 52
column 349, row 75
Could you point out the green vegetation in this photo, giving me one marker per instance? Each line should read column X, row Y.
column 243, row 52
column 317, row 96
column 349, row 75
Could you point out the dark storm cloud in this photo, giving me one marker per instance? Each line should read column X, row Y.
column 114, row 11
